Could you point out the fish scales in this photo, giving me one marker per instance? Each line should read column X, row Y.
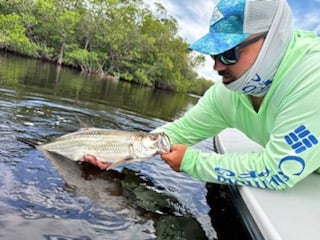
column 105, row 145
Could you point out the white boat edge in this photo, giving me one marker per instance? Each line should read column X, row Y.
column 288, row 214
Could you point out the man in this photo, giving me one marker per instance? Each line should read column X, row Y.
column 269, row 90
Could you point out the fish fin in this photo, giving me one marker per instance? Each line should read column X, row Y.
column 29, row 142
column 82, row 124
column 118, row 163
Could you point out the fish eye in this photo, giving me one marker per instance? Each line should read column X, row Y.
column 154, row 137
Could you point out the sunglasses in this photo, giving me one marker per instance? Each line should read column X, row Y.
column 232, row 56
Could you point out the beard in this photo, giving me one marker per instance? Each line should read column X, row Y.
column 227, row 76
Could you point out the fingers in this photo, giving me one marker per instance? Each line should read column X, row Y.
column 89, row 159
column 175, row 156
column 94, row 161
column 102, row 165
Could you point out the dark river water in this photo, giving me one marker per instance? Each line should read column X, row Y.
column 46, row 198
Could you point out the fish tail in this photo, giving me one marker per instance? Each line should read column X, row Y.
column 28, row 141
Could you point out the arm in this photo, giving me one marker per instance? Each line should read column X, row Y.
column 204, row 120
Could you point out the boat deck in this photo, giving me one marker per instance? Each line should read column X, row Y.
column 288, row 214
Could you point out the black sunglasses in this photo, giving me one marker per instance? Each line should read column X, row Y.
column 232, row 56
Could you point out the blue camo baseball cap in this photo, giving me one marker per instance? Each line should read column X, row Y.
column 233, row 21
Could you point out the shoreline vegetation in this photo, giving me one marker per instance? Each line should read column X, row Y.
column 114, row 39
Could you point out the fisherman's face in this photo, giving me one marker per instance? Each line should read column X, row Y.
column 247, row 58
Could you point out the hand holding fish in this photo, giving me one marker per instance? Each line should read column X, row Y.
column 175, row 156
column 94, row 161
column 172, row 158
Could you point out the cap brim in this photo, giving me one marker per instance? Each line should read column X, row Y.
column 216, row 43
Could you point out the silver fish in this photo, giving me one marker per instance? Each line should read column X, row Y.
column 111, row 146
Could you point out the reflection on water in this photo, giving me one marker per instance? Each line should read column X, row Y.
column 27, row 76
column 45, row 197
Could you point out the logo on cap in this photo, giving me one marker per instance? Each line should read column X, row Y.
column 216, row 16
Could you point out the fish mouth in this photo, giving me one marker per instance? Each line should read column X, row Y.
column 165, row 143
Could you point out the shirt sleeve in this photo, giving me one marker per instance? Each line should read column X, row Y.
column 201, row 122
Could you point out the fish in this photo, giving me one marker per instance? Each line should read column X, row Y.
column 107, row 145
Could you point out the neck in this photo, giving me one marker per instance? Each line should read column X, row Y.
column 256, row 102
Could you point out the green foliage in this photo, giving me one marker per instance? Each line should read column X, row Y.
column 199, row 86
column 82, row 58
column 115, row 37
column 13, row 37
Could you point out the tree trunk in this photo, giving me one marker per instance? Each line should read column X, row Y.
column 86, row 45
column 60, row 57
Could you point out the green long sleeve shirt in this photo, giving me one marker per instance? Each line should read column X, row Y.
column 287, row 125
